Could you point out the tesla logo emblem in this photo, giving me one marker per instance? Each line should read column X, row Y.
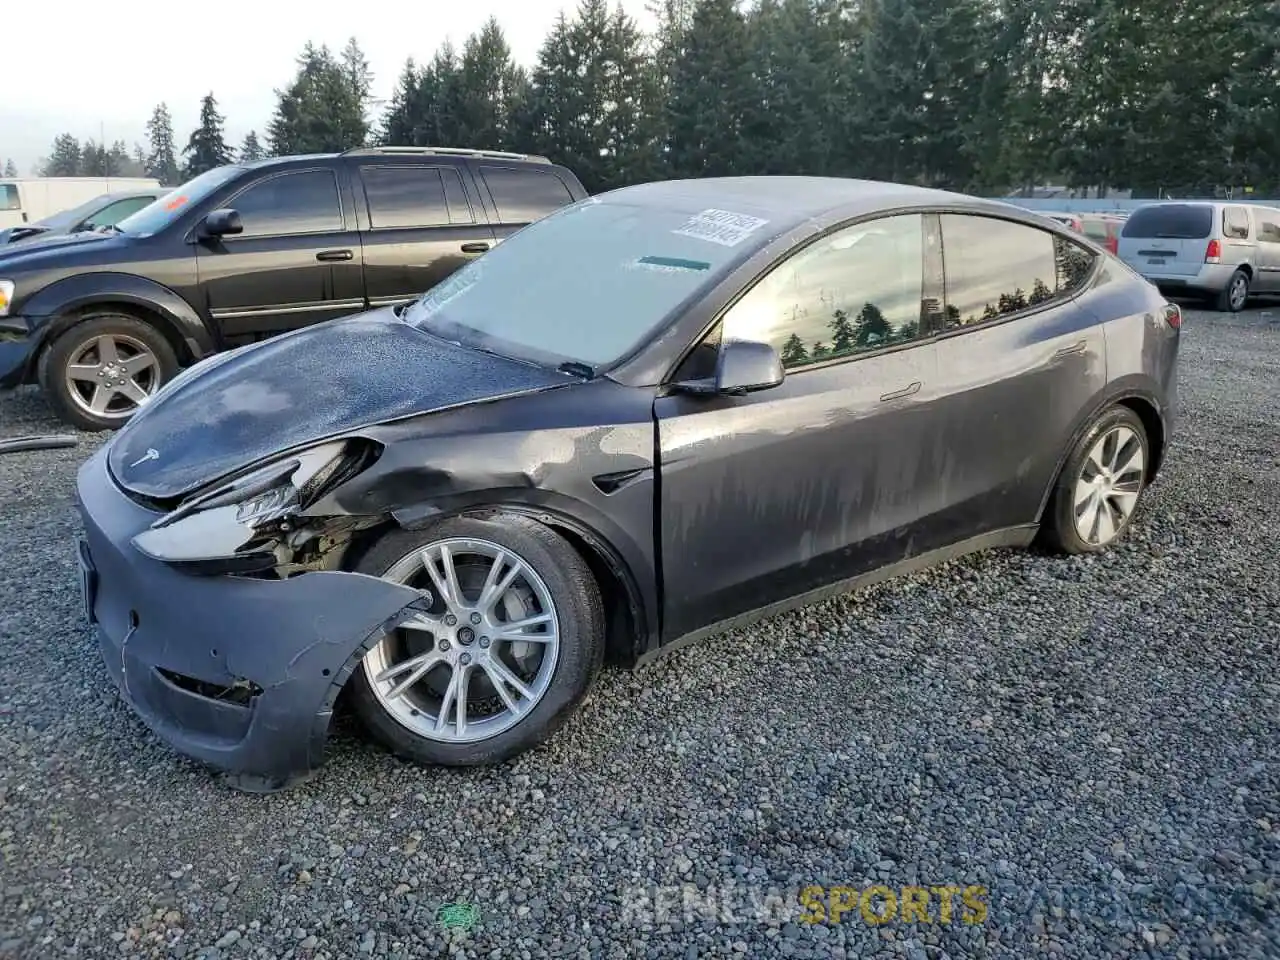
column 151, row 454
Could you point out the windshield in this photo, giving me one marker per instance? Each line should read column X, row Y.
column 157, row 215
column 1170, row 221
column 588, row 283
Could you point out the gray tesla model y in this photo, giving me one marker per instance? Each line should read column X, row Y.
column 655, row 414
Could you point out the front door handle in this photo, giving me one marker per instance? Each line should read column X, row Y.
column 1078, row 347
column 329, row 255
column 481, row 246
column 904, row 392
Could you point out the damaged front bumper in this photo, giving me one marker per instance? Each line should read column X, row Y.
column 238, row 672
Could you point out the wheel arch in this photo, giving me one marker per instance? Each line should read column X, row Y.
column 61, row 305
column 631, row 627
column 1145, row 405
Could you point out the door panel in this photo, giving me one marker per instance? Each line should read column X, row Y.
column 424, row 225
column 1267, row 277
column 828, row 475
column 770, row 495
column 294, row 264
column 1010, row 390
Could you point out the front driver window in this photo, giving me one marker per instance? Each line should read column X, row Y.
column 855, row 290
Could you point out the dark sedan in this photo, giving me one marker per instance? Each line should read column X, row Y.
column 654, row 415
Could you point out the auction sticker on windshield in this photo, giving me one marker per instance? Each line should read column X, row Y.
column 720, row 226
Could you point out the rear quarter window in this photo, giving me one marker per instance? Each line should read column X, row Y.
column 1170, row 221
column 524, row 195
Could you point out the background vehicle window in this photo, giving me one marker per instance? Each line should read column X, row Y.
column 1235, row 223
column 858, row 289
column 1095, row 229
column 523, row 196
column 304, row 202
column 1170, row 221
column 1269, row 227
column 9, row 197
column 995, row 267
column 114, row 213
column 409, row 196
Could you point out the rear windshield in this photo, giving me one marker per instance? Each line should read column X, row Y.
column 9, row 197
column 1170, row 221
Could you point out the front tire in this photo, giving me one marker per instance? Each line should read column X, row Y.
column 510, row 639
column 99, row 372
column 1097, row 492
column 1236, row 294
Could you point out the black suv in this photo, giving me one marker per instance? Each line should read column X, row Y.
column 246, row 251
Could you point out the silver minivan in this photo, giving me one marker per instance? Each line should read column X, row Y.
column 1227, row 251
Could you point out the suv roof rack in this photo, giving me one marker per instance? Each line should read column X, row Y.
column 443, row 151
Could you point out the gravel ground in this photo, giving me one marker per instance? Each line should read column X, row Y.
column 1095, row 741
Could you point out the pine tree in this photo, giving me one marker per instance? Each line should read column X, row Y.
column 10, row 168
column 162, row 162
column 251, row 149
column 397, row 128
column 489, row 90
column 359, row 81
column 434, row 113
column 64, row 160
column 95, row 160
column 207, row 147
column 710, row 92
column 793, row 351
column 322, row 109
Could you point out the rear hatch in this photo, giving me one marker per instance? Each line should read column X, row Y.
column 1167, row 239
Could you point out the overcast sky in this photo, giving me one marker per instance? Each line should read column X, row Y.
column 97, row 69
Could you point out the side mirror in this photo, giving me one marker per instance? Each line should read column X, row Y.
column 742, row 366
column 221, row 223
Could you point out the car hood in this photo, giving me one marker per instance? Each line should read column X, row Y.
column 34, row 252
column 237, row 409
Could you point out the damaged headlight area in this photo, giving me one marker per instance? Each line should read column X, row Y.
column 261, row 520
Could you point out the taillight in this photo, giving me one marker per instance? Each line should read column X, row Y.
column 1213, row 254
column 1113, row 244
column 1172, row 314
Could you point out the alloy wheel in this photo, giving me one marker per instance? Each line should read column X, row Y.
column 112, row 375
column 482, row 653
column 1107, row 489
column 1239, row 291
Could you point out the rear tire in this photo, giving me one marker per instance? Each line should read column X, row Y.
column 515, row 692
column 99, row 371
column 1236, row 294
column 1100, row 485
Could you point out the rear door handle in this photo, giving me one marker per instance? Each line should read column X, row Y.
column 904, row 392
column 328, row 255
column 479, row 247
column 1078, row 347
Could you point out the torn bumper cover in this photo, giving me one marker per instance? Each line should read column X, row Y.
column 237, row 672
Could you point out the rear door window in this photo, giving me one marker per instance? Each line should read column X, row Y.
column 524, row 195
column 1235, row 223
column 996, row 267
column 1170, row 221
column 9, row 199
column 414, row 196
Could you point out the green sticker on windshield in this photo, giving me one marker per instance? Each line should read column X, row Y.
column 675, row 263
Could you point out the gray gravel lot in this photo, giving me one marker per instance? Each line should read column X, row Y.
column 1096, row 741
